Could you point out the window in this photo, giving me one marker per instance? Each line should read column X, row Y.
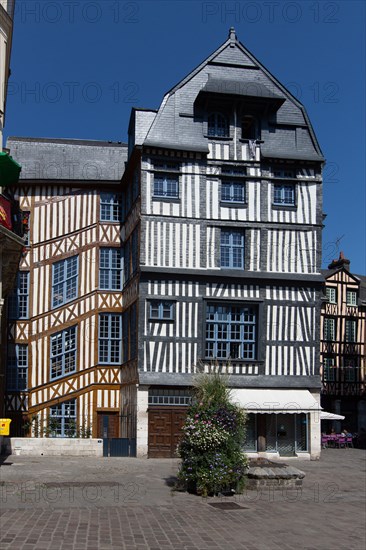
column 64, row 281
column 350, row 370
column 17, row 367
column 249, row 127
column 329, row 328
column 232, row 191
column 110, row 269
column 63, row 418
column 351, row 297
column 231, row 332
column 218, row 125
column 351, row 330
column 18, row 300
column 110, row 338
column 110, row 207
column 328, row 369
column 63, row 352
column 162, row 311
column 284, row 194
column 331, row 293
column 166, row 185
column 232, row 249
column 283, row 173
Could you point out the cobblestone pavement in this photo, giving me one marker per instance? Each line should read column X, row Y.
column 119, row 503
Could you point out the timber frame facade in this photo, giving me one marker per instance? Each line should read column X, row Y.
column 55, row 369
column 343, row 344
column 220, row 241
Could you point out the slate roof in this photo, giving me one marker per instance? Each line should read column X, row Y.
column 232, row 66
column 68, row 159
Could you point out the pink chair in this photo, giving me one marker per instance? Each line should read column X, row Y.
column 349, row 441
column 341, row 442
column 324, row 441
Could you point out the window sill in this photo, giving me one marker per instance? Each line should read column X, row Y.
column 166, row 199
column 233, row 204
column 284, row 206
column 218, row 138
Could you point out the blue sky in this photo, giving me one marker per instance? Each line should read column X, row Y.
column 78, row 66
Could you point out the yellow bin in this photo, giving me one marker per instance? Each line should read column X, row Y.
column 4, row 426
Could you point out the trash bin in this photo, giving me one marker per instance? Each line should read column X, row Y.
column 4, row 426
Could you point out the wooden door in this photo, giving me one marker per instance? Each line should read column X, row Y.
column 165, row 431
column 108, row 424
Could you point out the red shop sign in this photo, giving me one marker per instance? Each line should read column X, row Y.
column 5, row 213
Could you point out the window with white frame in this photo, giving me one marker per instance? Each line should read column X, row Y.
column 63, row 352
column 331, row 293
column 17, row 367
column 218, row 125
column 110, row 338
column 19, row 299
column 284, row 194
column 231, row 332
column 328, row 369
column 161, row 310
column 351, row 297
column 232, row 249
column 63, row 416
column 110, row 269
column 64, row 281
column 329, row 329
column 110, row 207
column 280, row 173
column 351, row 330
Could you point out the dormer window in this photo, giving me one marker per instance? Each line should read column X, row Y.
column 249, row 127
column 218, row 125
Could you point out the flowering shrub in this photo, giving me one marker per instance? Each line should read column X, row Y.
column 212, row 459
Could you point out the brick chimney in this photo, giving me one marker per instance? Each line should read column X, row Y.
column 341, row 262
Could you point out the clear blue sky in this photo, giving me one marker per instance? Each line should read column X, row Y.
column 78, row 66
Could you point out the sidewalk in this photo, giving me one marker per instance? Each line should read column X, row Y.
column 125, row 503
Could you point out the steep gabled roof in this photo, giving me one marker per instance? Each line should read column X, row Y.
column 173, row 126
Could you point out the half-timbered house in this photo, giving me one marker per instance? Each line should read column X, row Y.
column 64, row 348
column 343, row 344
column 229, row 215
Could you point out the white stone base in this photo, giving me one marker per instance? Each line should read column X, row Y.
column 46, row 446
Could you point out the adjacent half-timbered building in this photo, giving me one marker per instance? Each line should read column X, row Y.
column 343, row 344
column 64, row 348
column 229, row 214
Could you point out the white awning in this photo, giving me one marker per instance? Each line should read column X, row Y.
column 274, row 401
column 330, row 416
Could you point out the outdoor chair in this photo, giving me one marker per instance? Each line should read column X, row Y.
column 324, row 442
column 341, row 442
column 349, row 441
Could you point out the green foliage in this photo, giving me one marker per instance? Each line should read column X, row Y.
column 211, row 448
